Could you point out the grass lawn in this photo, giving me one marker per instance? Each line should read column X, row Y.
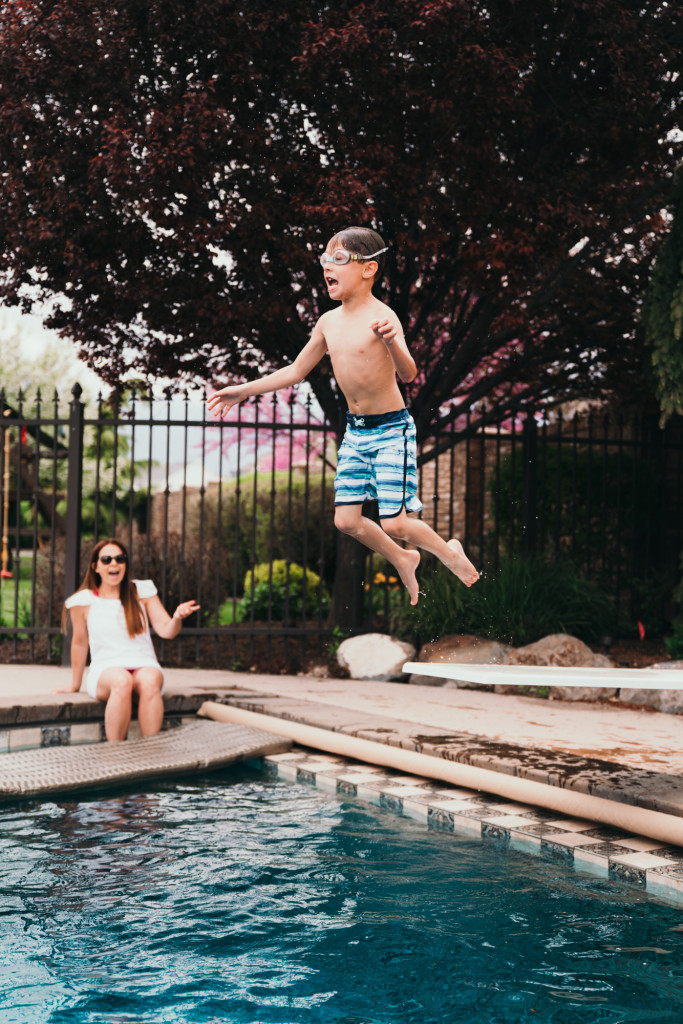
column 8, row 595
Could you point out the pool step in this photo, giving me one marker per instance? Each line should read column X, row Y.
column 194, row 747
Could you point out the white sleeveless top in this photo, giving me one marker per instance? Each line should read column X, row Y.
column 110, row 644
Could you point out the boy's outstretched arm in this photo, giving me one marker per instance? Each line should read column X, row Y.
column 223, row 400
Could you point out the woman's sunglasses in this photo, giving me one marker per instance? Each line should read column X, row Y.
column 106, row 559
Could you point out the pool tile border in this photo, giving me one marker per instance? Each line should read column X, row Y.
column 69, row 734
column 646, row 864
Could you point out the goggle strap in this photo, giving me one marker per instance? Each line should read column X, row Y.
column 373, row 254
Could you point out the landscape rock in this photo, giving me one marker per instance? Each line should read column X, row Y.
column 558, row 649
column 582, row 692
column 459, row 650
column 375, row 656
column 565, row 651
column 670, row 701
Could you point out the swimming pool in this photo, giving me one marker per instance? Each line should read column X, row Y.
column 236, row 897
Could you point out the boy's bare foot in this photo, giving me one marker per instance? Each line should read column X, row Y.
column 461, row 565
column 406, row 570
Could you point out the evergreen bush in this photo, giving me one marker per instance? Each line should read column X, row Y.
column 527, row 599
column 264, row 518
column 587, row 505
column 674, row 643
column 282, row 591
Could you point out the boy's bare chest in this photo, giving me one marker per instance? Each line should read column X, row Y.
column 355, row 351
column 352, row 333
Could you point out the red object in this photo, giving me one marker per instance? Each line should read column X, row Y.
column 24, row 435
column 6, row 574
column 641, row 630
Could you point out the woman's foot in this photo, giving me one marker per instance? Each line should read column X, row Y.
column 461, row 565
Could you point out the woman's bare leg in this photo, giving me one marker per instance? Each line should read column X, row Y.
column 115, row 686
column 147, row 683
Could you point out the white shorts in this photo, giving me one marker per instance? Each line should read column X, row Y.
column 95, row 671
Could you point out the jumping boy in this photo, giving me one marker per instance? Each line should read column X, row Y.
column 377, row 458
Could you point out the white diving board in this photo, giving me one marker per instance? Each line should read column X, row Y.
column 551, row 675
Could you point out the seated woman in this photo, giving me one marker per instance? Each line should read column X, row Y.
column 110, row 615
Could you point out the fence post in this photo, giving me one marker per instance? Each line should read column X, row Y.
column 74, row 493
column 529, row 463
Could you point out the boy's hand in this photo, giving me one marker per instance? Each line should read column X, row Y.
column 223, row 401
column 385, row 331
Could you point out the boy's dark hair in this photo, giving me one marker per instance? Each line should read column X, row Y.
column 363, row 241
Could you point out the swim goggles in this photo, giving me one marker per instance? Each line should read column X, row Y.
column 341, row 256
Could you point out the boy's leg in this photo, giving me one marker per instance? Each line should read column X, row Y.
column 419, row 533
column 396, row 464
column 350, row 519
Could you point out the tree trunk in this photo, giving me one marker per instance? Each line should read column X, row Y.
column 346, row 611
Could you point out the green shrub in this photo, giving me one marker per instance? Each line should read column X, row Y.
column 592, row 504
column 384, row 594
column 674, row 643
column 276, row 590
column 648, row 603
column 264, row 517
column 528, row 599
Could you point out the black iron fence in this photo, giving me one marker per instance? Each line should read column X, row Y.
column 239, row 515
column 603, row 492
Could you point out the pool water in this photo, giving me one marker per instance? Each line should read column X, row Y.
column 236, row 897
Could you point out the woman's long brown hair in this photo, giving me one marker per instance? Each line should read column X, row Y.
column 132, row 608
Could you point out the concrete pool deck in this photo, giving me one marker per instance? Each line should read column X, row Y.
column 635, row 738
column 628, row 759
column 626, row 754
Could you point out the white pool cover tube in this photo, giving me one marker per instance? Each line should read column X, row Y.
column 639, row 820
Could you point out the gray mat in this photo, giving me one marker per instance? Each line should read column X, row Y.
column 191, row 748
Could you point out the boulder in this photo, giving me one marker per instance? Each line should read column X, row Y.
column 582, row 692
column 558, row 649
column 459, row 650
column 670, row 701
column 375, row 656
column 660, row 700
column 565, row 651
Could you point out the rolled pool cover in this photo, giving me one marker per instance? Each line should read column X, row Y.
column 639, row 820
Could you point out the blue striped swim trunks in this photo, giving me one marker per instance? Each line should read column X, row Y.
column 377, row 461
